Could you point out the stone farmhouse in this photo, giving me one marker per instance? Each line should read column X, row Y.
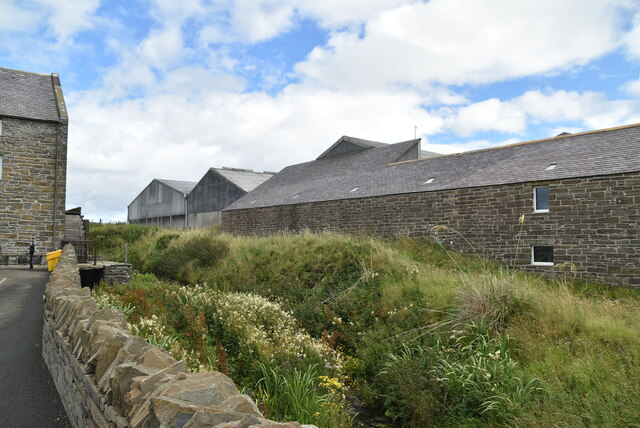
column 33, row 163
column 568, row 202
column 179, row 204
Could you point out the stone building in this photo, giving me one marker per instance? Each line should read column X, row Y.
column 33, row 163
column 572, row 201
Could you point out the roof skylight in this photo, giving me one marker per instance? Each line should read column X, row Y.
column 295, row 196
column 550, row 167
column 254, row 201
column 354, row 189
column 429, row 181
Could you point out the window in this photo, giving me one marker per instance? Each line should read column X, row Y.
column 541, row 199
column 0, row 167
column 0, row 126
column 542, row 255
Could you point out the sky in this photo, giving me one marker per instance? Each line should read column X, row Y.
column 167, row 89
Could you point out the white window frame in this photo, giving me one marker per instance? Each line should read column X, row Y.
column 535, row 200
column 0, row 127
column 535, row 263
column 1, row 159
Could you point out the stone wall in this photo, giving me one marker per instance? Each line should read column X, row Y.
column 107, row 377
column 32, row 187
column 592, row 222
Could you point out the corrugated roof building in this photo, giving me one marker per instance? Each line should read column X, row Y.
column 578, row 193
column 33, row 163
column 178, row 204
column 219, row 188
column 162, row 202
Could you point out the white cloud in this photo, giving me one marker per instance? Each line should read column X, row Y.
column 632, row 87
column 466, row 41
column 162, row 47
column 178, row 136
column 465, row 146
column 14, row 18
column 632, row 38
column 593, row 109
column 68, row 17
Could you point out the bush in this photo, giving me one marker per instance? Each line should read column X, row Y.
column 491, row 299
column 110, row 238
column 461, row 376
column 184, row 258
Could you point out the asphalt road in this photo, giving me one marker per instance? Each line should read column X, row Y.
column 28, row 397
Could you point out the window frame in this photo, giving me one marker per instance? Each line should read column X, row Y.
column 535, row 199
column 533, row 254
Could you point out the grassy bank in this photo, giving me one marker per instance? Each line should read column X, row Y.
column 433, row 337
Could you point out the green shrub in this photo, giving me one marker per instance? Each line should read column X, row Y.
column 303, row 396
column 110, row 238
column 462, row 376
column 184, row 258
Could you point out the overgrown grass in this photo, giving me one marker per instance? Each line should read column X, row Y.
column 110, row 238
column 435, row 337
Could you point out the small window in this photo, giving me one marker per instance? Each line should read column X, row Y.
column 541, row 199
column 429, row 181
column 0, row 126
column 354, row 189
column 0, row 167
column 542, row 255
column 551, row 167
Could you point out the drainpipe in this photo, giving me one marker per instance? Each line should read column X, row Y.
column 55, row 192
column 186, row 211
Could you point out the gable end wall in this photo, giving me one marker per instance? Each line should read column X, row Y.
column 32, row 197
column 593, row 222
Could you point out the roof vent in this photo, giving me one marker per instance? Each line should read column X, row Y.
column 254, row 201
column 550, row 167
column 295, row 196
column 562, row 134
column 354, row 189
column 429, row 181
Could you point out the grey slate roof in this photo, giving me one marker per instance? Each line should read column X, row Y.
column 372, row 172
column 27, row 95
column 245, row 179
column 181, row 186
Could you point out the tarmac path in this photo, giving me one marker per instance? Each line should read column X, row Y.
column 28, row 397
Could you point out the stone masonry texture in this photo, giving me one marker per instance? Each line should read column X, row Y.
column 108, row 378
column 32, row 198
column 592, row 223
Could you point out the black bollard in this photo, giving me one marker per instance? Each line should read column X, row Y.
column 32, row 251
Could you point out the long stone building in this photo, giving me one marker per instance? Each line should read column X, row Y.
column 33, row 163
column 574, row 198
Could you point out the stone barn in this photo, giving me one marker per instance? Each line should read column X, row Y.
column 567, row 202
column 33, row 164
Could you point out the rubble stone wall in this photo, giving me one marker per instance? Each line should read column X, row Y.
column 593, row 223
column 32, row 187
column 108, row 377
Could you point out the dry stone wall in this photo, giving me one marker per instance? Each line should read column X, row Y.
column 108, row 377
column 32, row 187
column 593, row 223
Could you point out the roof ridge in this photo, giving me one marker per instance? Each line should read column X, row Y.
column 26, row 72
column 522, row 143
